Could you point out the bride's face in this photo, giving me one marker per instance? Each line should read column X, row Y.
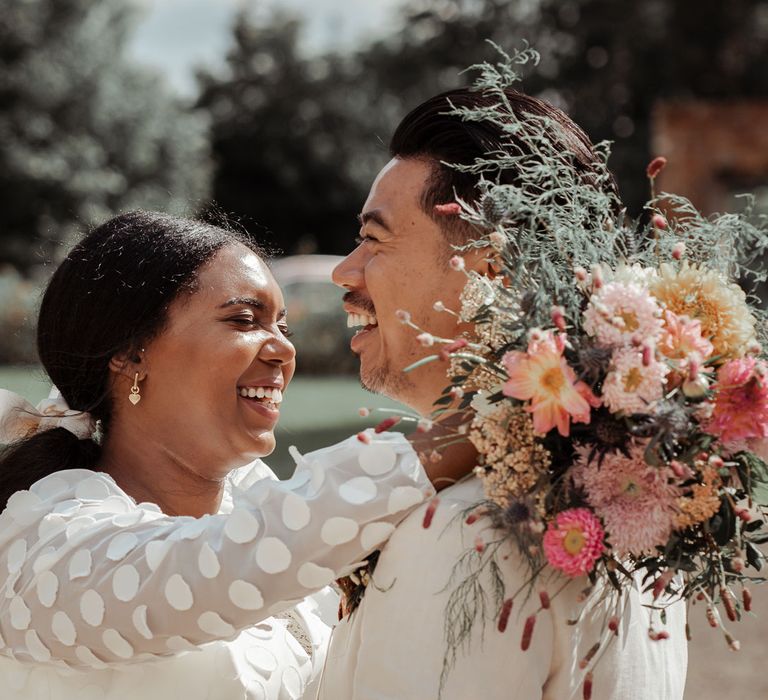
column 222, row 340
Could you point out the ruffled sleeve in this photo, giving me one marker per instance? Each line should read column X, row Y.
column 94, row 578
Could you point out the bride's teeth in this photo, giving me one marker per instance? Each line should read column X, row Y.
column 272, row 394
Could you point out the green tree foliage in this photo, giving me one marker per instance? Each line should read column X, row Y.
column 298, row 140
column 83, row 134
column 286, row 138
column 605, row 62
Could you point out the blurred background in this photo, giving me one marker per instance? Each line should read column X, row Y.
column 277, row 115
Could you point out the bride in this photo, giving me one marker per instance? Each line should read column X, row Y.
column 147, row 551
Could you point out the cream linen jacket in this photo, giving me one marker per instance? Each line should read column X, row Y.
column 392, row 647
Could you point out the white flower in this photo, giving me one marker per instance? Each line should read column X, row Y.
column 631, row 386
column 634, row 274
column 479, row 291
column 618, row 313
column 480, row 403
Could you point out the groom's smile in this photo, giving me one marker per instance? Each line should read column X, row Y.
column 400, row 263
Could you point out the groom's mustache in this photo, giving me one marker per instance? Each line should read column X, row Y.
column 360, row 302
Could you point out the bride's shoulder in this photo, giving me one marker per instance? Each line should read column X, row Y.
column 79, row 484
column 59, row 497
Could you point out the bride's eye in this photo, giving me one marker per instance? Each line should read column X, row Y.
column 243, row 320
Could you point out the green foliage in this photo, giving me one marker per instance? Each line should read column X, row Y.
column 299, row 141
column 753, row 472
column 286, row 136
column 83, row 134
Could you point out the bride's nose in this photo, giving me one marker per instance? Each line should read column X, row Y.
column 277, row 350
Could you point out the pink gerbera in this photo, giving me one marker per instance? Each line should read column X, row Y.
column 543, row 377
column 741, row 401
column 574, row 541
column 636, row 501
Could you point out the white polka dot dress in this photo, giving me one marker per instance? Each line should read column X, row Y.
column 106, row 598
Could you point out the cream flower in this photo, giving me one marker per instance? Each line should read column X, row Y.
column 704, row 296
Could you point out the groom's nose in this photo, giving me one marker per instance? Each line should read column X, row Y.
column 349, row 272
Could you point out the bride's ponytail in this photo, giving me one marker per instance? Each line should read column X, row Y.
column 28, row 460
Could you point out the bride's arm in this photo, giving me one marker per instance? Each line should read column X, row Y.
column 93, row 578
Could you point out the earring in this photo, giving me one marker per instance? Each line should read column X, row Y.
column 134, row 397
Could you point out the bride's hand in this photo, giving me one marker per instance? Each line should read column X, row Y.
column 445, row 450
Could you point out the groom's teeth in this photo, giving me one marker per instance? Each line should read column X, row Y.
column 354, row 320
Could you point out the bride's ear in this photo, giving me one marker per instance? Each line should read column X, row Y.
column 127, row 364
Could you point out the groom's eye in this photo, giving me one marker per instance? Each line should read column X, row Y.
column 366, row 239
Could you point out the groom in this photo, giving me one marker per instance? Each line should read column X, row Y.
column 393, row 646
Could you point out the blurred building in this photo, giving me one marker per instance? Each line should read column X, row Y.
column 315, row 314
column 715, row 149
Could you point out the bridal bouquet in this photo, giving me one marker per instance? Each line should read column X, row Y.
column 617, row 381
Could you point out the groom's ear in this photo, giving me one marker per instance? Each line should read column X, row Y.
column 484, row 262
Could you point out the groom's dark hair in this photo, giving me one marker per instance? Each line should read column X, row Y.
column 432, row 132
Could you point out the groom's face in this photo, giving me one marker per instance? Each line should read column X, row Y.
column 400, row 262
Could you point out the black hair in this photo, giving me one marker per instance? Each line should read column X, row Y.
column 110, row 295
column 432, row 133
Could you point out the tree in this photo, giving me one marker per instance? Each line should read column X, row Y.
column 284, row 139
column 606, row 63
column 299, row 139
column 84, row 134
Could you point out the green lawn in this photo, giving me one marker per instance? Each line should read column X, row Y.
column 317, row 411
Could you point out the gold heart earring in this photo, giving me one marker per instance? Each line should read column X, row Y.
column 134, row 397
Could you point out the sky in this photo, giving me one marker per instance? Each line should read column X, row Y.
column 175, row 36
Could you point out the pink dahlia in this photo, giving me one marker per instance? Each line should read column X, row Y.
column 574, row 541
column 619, row 312
column 741, row 401
column 543, row 377
column 636, row 501
column 631, row 386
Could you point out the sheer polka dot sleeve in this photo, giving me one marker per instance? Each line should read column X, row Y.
column 94, row 579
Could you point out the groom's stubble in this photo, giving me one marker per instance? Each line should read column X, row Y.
column 379, row 379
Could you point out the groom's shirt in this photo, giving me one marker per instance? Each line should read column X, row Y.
column 393, row 646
